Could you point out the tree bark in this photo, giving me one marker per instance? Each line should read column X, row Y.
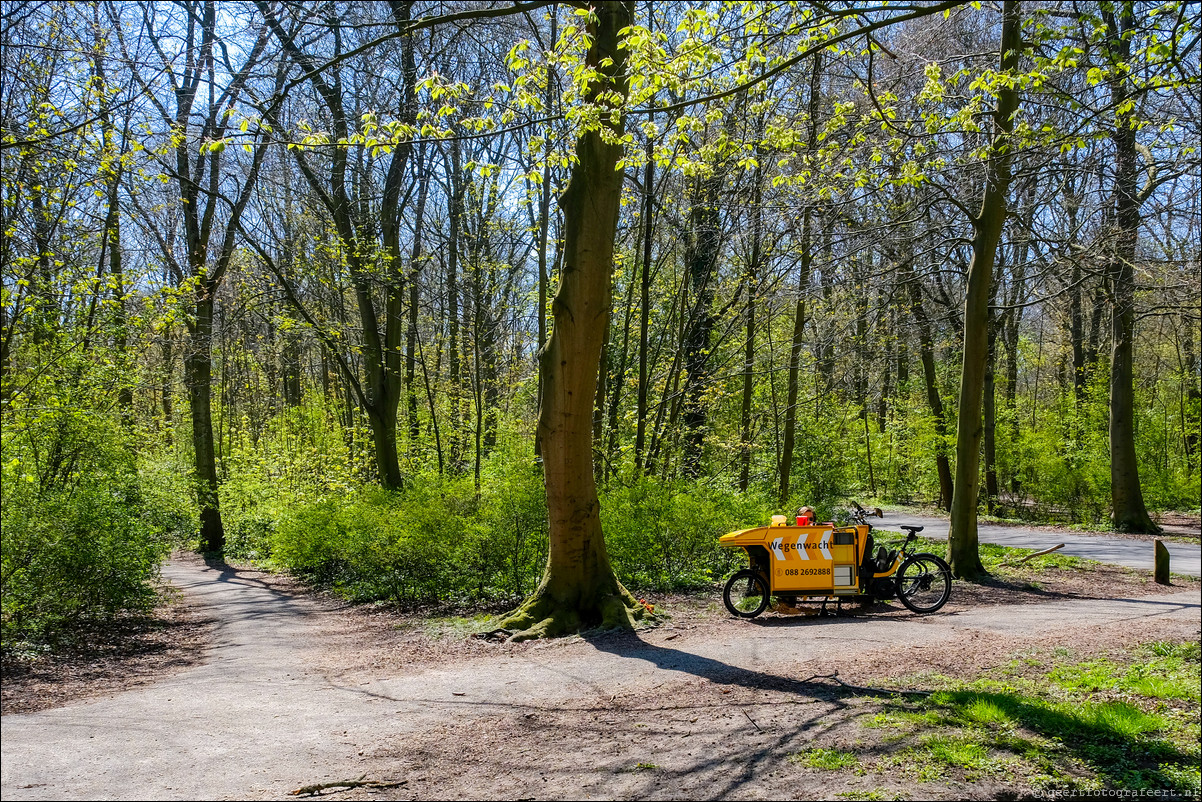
column 198, row 371
column 963, row 549
column 1126, row 495
column 579, row 587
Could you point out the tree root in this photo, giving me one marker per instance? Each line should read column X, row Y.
column 543, row 616
column 362, row 782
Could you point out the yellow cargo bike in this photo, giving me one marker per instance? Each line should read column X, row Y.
column 826, row 562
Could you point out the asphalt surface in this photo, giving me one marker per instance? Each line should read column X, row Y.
column 1184, row 558
column 257, row 720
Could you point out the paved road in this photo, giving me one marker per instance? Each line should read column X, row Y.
column 1184, row 558
column 256, row 719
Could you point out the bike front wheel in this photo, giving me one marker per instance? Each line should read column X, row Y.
column 924, row 583
column 746, row 594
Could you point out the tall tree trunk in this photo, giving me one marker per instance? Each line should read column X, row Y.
column 167, row 383
column 379, row 394
column 291, row 349
column 603, row 372
column 125, row 395
column 798, row 340
column 456, row 211
column 1076, row 317
column 753, row 290
column 416, row 261
column 926, row 353
column 640, row 434
column 111, row 245
column 963, row 550
column 1127, row 499
column 579, row 587
column 826, row 345
column 619, row 382
column 789, row 438
column 1097, row 322
column 860, row 341
column 890, row 336
column 198, row 371
column 990, row 412
column 701, row 256
column 1077, row 332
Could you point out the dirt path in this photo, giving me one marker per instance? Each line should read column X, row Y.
column 270, row 710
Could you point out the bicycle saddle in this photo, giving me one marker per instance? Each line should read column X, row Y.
column 912, row 529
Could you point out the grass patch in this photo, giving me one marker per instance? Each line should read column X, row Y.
column 987, row 712
column 826, row 759
column 1047, row 720
column 956, row 751
column 1170, row 672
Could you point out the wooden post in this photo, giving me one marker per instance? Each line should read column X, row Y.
column 1161, row 571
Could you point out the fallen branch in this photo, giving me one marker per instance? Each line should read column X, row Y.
column 312, row 790
column 1035, row 554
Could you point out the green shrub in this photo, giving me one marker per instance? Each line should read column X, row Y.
column 435, row 540
column 83, row 531
column 665, row 536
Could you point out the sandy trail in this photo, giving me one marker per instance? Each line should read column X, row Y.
column 261, row 717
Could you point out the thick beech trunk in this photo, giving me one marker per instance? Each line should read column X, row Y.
column 963, row 551
column 579, row 587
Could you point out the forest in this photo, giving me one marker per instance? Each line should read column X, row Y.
column 433, row 301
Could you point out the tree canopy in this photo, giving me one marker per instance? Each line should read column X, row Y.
column 932, row 252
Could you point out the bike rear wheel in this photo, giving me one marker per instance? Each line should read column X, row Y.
column 924, row 583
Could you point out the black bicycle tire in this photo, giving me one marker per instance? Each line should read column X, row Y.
column 746, row 575
column 943, row 569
